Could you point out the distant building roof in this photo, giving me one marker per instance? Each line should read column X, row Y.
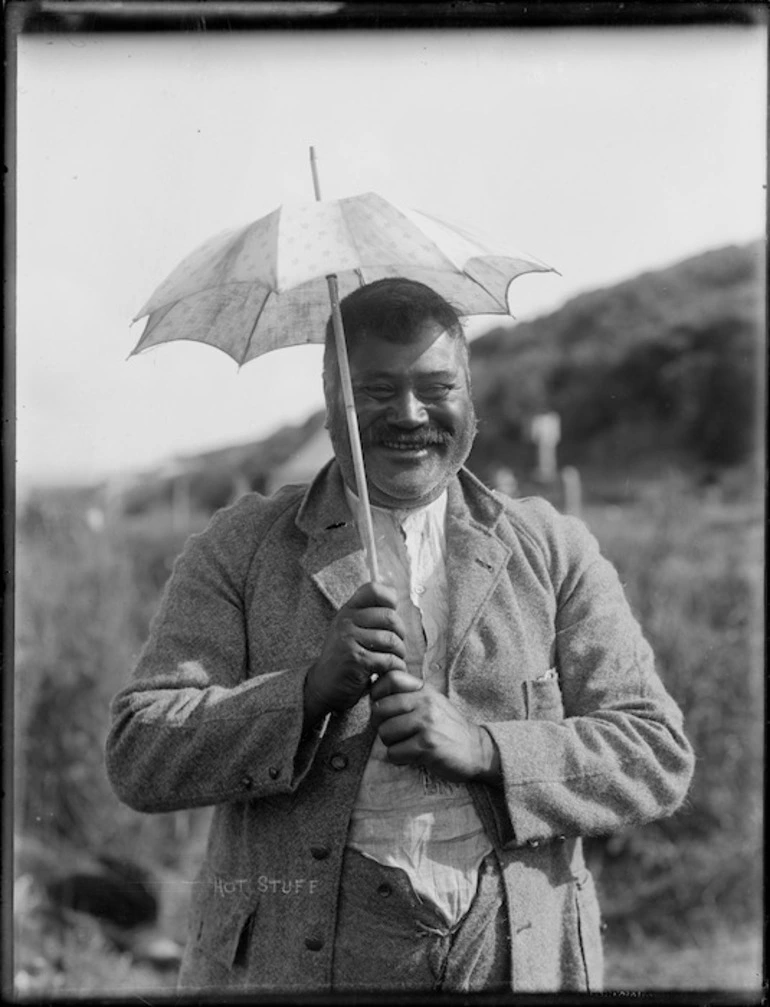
column 302, row 466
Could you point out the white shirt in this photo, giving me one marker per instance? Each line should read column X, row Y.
column 404, row 816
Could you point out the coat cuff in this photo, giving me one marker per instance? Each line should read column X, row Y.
column 520, row 821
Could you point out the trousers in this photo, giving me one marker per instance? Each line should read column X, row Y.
column 390, row 940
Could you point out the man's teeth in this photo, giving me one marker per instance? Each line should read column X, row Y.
column 404, row 445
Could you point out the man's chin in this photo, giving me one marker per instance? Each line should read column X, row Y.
column 405, row 490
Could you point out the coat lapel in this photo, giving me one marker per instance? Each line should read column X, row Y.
column 337, row 565
column 335, row 561
column 476, row 558
column 334, row 558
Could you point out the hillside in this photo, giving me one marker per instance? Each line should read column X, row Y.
column 663, row 364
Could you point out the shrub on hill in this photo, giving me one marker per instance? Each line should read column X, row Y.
column 668, row 359
column 85, row 597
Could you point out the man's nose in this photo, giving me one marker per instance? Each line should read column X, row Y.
column 408, row 411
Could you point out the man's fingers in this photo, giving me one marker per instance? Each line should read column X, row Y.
column 392, row 707
column 406, row 753
column 398, row 729
column 382, row 641
column 379, row 618
column 397, row 681
column 381, row 663
column 373, row 595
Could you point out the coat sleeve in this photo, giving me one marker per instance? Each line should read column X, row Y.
column 602, row 746
column 193, row 728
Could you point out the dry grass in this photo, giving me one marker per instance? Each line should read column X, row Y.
column 691, row 562
column 682, row 897
column 727, row 960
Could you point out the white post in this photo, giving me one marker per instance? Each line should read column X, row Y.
column 546, row 433
column 505, row 481
column 573, row 492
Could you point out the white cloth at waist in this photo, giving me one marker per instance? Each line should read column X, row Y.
column 404, row 816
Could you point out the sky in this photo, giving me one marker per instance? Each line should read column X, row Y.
column 603, row 152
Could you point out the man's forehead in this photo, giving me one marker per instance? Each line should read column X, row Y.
column 430, row 349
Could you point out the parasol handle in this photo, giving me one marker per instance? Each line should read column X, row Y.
column 350, row 408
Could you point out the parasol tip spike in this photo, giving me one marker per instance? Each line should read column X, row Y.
column 314, row 170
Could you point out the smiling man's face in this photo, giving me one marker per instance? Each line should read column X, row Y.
column 415, row 415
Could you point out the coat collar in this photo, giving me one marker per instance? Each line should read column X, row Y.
column 325, row 508
column 476, row 556
column 334, row 557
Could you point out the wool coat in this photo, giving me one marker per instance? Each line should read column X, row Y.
column 542, row 649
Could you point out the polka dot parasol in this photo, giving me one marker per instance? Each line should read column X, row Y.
column 275, row 282
column 260, row 287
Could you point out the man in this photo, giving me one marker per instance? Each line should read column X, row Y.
column 402, row 771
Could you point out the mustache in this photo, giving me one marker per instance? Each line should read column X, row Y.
column 383, row 433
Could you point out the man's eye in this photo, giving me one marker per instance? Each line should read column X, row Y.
column 378, row 391
column 437, row 391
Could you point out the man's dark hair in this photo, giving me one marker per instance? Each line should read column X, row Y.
column 391, row 309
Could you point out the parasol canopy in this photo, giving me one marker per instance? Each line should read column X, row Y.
column 263, row 286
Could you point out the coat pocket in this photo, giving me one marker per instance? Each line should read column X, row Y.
column 589, row 928
column 226, row 936
column 220, row 938
column 543, row 697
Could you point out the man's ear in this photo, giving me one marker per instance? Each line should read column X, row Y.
column 331, row 391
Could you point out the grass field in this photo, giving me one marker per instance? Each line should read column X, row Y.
column 722, row 960
column 682, row 898
column 82, row 962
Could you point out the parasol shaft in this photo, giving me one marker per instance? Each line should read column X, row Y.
column 353, row 431
column 346, row 384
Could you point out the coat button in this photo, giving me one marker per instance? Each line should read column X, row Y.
column 247, row 782
column 274, row 772
column 313, row 943
column 338, row 761
column 562, row 839
column 384, row 890
column 319, row 852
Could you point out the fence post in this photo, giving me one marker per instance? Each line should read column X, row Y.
column 573, row 491
column 546, row 433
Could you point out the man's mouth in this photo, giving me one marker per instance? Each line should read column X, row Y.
column 406, row 445
column 414, row 444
